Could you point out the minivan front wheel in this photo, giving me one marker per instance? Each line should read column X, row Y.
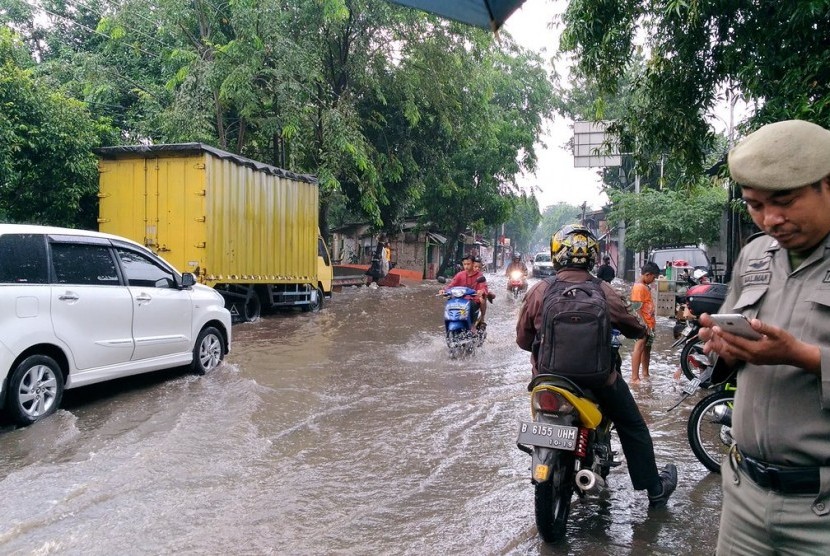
column 208, row 350
column 35, row 390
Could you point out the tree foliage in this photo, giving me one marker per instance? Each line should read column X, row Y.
column 553, row 218
column 396, row 112
column 523, row 222
column 773, row 54
column 681, row 217
column 48, row 173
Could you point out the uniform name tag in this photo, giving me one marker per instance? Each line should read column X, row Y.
column 756, row 278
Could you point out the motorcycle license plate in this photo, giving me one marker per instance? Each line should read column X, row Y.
column 546, row 435
column 692, row 386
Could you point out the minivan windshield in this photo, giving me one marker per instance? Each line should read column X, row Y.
column 542, row 257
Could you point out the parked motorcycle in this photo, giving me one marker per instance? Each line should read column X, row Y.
column 569, row 441
column 703, row 298
column 517, row 283
column 462, row 335
column 709, row 428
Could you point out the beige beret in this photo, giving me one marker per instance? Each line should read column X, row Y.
column 780, row 156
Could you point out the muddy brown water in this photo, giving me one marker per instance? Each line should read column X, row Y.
column 347, row 431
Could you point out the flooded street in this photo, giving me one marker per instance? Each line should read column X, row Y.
column 348, row 431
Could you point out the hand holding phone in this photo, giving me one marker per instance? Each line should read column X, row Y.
column 736, row 324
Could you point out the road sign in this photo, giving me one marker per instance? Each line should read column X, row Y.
column 591, row 147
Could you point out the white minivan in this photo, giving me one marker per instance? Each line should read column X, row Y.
column 79, row 307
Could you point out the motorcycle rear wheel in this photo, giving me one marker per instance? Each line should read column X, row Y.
column 692, row 347
column 710, row 439
column 553, row 500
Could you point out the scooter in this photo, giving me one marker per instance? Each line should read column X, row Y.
column 462, row 333
column 569, row 441
column 517, row 283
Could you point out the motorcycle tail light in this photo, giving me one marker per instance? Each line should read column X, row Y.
column 551, row 402
column 697, row 361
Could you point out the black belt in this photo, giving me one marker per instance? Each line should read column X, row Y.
column 786, row 480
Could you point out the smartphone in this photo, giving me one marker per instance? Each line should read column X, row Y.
column 737, row 324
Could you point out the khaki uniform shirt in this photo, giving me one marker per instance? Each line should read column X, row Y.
column 530, row 316
column 782, row 413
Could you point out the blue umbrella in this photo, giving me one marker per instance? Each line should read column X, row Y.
column 487, row 14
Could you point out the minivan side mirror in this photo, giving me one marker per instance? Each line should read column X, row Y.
column 188, row 280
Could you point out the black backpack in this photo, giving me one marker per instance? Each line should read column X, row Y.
column 575, row 339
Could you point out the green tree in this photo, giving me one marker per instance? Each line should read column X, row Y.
column 48, row 174
column 553, row 218
column 680, row 217
column 773, row 54
column 523, row 222
column 385, row 105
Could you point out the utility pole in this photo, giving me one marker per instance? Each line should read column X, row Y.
column 584, row 206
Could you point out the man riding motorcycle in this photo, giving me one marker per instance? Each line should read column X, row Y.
column 516, row 266
column 468, row 277
column 574, row 250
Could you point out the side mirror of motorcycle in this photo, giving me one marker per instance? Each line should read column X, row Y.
column 442, row 279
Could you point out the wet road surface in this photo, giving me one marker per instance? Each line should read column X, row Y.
column 347, row 431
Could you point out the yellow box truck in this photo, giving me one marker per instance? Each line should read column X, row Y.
column 248, row 229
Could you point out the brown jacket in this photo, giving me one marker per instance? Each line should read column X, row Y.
column 530, row 316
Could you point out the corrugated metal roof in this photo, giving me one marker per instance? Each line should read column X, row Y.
column 172, row 149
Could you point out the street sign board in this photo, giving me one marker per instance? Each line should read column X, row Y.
column 590, row 147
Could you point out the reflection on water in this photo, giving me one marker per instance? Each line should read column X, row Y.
column 346, row 431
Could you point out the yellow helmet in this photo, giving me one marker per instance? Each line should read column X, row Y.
column 574, row 245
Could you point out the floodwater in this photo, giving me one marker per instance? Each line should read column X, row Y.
column 348, row 431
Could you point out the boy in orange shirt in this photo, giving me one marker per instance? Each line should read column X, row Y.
column 643, row 306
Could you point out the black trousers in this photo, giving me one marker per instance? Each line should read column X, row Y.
column 618, row 404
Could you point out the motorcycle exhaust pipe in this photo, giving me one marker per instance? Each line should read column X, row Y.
column 589, row 482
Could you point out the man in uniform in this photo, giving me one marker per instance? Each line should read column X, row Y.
column 776, row 480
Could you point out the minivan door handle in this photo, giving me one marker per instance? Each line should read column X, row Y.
column 69, row 296
column 143, row 297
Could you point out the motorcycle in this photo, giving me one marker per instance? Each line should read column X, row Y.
column 689, row 364
column 699, row 299
column 517, row 283
column 569, row 441
column 709, row 428
column 462, row 335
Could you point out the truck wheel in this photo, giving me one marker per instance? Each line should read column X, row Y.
column 35, row 390
column 252, row 308
column 317, row 305
column 208, row 351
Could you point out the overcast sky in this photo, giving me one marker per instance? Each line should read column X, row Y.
column 556, row 176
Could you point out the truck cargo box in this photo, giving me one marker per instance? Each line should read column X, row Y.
column 230, row 220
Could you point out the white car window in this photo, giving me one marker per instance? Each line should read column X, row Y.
column 142, row 271
column 23, row 259
column 84, row 264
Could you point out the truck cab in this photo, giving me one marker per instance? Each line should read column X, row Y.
column 325, row 271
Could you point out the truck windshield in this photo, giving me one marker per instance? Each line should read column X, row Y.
column 692, row 256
